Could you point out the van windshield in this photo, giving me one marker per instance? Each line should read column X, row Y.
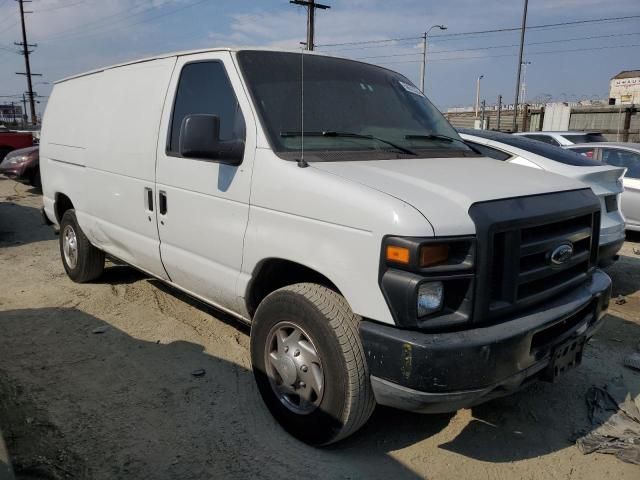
column 352, row 110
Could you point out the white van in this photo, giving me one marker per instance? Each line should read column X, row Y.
column 325, row 201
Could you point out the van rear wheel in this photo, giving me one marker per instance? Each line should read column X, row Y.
column 82, row 261
column 309, row 363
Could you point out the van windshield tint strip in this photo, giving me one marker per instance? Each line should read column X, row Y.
column 343, row 96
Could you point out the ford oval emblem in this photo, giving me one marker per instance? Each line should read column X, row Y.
column 561, row 254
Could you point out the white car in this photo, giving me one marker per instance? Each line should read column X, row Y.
column 604, row 180
column 376, row 256
column 620, row 154
column 564, row 138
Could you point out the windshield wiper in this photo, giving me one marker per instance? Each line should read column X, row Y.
column 434, row 136
column 331, row 133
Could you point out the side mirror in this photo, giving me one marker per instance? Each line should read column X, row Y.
column 200, row 138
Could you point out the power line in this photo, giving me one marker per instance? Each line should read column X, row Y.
column 60, row 7
column 9, row 27
column 101, row 30
column 479, row 32
column 89, row 26
column 368, row 42
column 491, row 47
column 536, row 30
column 448, row 59
column 591, row 37
column 548, row 25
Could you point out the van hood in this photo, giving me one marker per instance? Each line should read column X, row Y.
column 443, row 189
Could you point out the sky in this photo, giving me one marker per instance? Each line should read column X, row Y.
column 73, row 36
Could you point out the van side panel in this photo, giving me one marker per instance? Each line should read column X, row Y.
column 63, row 141
column 121, row 156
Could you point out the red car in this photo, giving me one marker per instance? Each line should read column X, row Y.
column 23, row 165
column 10, row 140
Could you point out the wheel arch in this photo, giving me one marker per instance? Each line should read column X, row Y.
column 274, row 273
column 62, row 203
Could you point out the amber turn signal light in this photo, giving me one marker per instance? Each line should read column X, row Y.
column 397, row 254
column 433, row 254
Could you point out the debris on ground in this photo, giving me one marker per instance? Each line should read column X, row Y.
column 620, row 300
column 615, row 417
column 198, row 373
column 99, row 330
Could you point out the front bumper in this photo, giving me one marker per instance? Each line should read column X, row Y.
column 608, row 253
column 14, row 171
column 443, row 372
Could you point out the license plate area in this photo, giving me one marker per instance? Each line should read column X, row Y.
column 564, row 357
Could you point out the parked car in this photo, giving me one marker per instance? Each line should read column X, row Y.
column 23, row 164
column 626, row 155
column 377, row 257
column 11, row 140
column 605, row 181
column 564, row 138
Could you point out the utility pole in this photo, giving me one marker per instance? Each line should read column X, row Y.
column 424, row 53
column 24, row 110
column 484, row 105
column 515, row 102
column 499, row 112
column 311, row 18
column 26, row 52
column 478, row 94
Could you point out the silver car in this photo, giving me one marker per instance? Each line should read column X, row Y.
column 605, row 181
column 620, row 155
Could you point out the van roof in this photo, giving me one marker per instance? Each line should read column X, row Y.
column 182, row 53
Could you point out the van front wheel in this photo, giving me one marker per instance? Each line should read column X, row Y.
column 82, row 261
column 309, row 363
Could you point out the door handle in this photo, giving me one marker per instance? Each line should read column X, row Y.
column 149, row 199
column 162, row 203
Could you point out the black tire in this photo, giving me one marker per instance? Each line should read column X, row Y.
column 89, row 263
column 324, row 315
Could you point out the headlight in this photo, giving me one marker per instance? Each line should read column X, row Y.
column 14, row 160
column 416, row 271
column 430, row 295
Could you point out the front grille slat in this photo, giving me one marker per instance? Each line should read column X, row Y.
column 545, row 271
column 522, row 271
column 544, row 244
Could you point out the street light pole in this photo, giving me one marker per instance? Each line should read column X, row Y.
column 424, row 53
column 515, row 102
column 478, row 94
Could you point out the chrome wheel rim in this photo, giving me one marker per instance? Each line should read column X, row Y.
column 294, row 368
column 70, row 246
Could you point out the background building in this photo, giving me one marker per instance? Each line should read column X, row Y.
column 624, row 88
column 10, row 113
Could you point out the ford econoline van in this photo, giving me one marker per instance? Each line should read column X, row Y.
column 327, row 203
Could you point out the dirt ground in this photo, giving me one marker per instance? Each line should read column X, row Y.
column 95, row 382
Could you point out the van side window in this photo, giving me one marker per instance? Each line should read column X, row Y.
column 204, row 87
